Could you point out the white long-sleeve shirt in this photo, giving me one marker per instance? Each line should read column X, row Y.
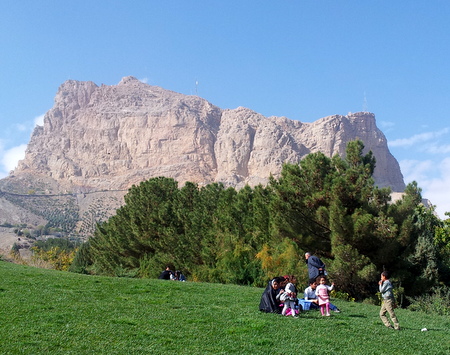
column 310, row 293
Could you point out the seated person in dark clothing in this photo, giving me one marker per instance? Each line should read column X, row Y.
column 269, row 302
column 178, row 276
column 165, row 275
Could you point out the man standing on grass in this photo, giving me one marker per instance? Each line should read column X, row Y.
column 315, row 267
column 388, row 301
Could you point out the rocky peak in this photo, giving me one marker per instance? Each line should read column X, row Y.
column 127, row 80
column 73, row 95
column 110, row 137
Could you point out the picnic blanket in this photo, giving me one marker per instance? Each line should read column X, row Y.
column 306, row 304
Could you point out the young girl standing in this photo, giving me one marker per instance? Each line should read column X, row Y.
column 323, row 296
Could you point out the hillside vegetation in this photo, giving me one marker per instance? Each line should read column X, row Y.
column 328, row 206
column 53, row 312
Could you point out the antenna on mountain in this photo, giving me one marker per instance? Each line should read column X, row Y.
column 365, row 109
column 196, row 88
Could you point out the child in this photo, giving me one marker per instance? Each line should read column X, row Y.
column 388, row 303
column 179, row 276
column 310, row 295
column 289, row 297
column 322, row 293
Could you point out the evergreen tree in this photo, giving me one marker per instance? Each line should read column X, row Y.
column 329, row 206
column 145, row 225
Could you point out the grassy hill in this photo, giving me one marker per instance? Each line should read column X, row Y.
column 51, row 312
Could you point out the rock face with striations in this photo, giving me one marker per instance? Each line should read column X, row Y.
column 111, row 137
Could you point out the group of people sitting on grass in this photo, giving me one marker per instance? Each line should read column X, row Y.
column 281, row 295
column 168, row 274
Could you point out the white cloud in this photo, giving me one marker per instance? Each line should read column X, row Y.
column 2, row 147
column 39, row 120
column 386, row 124
column 418, row 138
column 144, row 80
column 415, row 170
column 434, row 180
column 21, row 127
column 437, row 149
column 437, row 189
column 11, row 157
column 28, row 126
column 407, row 142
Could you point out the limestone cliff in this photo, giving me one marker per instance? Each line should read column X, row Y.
column 97, row 141
column 110, row 137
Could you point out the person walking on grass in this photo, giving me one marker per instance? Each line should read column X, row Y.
column 323, row 295
column 388, row 302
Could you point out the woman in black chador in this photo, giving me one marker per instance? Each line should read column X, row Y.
column 269, row 302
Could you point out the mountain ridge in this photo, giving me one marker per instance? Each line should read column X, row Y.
column 101, row 138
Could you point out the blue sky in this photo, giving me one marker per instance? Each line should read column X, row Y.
column 301, row 59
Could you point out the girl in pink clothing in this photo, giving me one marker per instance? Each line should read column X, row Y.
column 323, row 296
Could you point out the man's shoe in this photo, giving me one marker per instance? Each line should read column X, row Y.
column 390, row 327
column 337, row 310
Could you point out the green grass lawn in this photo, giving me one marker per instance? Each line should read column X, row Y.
column 50, row 312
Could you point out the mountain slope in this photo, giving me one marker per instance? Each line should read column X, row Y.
column 107, row 138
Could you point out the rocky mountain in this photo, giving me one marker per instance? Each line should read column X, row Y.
column 103, row 139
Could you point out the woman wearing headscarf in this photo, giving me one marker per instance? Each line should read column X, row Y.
column 269, row 302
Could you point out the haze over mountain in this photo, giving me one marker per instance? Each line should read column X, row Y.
column 103, row 139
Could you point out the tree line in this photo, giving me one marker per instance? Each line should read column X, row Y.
column 328, row 206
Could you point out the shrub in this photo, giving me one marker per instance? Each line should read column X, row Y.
column 58, row 258
column 342, row 296
column 15, row 249
column 82, row 260
column 148, row 267
column 120, row 271
column 437, row 302
column 371, row 300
